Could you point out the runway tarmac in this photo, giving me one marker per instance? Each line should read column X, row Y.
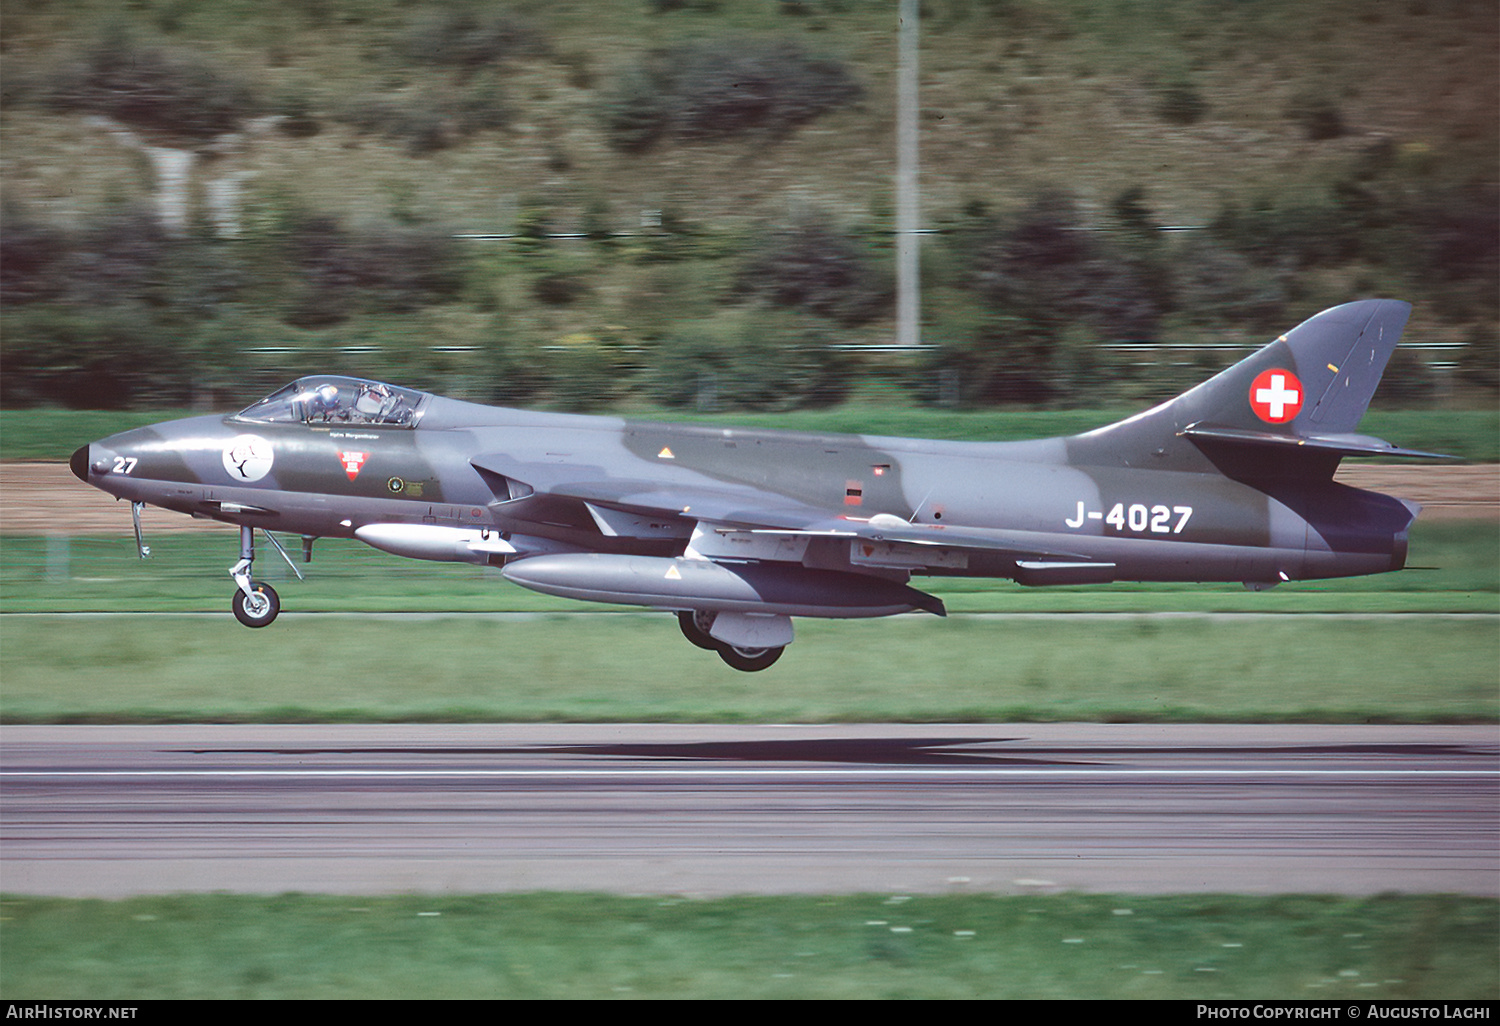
column 707, row 810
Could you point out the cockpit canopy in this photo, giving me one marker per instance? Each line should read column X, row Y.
column 330, row 399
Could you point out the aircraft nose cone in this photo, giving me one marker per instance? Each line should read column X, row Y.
column 80, row 463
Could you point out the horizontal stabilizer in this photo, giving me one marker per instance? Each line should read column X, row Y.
column 1334, row 445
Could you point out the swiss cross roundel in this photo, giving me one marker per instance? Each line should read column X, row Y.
column 1276, row 396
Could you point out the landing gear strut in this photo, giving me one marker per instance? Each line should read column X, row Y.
column 256, row 603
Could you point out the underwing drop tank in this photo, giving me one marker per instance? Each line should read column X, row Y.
column 664, row 583
column 432, row 541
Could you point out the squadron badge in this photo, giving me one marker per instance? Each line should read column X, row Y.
column 249, row 458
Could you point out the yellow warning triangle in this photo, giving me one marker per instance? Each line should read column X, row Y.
column 665, row 454
column 673, row 574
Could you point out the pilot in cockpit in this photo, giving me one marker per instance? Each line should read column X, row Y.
column 324, row 404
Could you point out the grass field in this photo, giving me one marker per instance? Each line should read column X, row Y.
column 635, row 667
column 553, row 663
column 862, row 946
column 1454, row 568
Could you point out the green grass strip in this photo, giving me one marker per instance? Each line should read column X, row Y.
column 857, row 946
column 1458, row 570
column 637, row 668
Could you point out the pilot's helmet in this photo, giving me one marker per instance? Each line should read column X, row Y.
column 328, row 396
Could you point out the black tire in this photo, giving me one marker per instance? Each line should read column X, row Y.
column 749, row 659
column 695, row 624
column 260, row 614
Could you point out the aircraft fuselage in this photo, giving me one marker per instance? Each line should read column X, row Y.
column 738, row 530
column 1181, row 524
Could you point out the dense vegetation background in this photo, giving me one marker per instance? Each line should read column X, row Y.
column 591, row 203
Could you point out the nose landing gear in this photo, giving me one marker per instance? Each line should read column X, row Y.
column 255, row 603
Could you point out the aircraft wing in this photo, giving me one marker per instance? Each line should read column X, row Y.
column 1021, row 544
column 744, row 523
column 676, row 493
column 727, row 505
column 887, row 542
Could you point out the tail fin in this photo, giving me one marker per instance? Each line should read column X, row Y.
column 1304, row 394
column 1316, row 379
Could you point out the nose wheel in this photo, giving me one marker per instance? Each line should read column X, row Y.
column 259, row 607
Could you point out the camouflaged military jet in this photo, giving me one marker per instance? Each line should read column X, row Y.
column 737, row 531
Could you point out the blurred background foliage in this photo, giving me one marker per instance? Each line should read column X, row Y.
column 689, row 202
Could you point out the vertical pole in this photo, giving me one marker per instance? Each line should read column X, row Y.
column 57, row 559
column 908, row 206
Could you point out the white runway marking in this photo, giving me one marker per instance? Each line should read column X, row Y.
column 561, row 614
column 874, row 773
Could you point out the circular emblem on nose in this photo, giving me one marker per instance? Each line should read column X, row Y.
column 248, row 458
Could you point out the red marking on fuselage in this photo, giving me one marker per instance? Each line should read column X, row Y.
column 353, row 462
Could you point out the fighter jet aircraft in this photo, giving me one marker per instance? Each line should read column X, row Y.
column 737, row 531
